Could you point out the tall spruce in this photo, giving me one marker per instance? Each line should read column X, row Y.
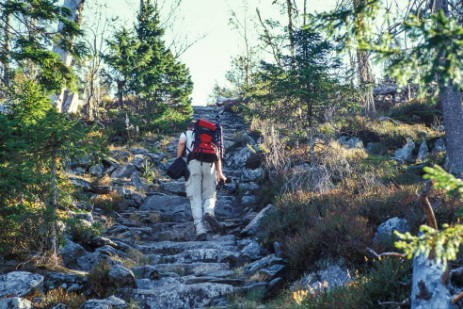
column 158, row 78
column 26, row 41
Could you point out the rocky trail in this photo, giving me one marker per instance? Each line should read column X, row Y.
column 168, row 267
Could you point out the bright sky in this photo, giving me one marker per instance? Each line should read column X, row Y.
column 210, row 57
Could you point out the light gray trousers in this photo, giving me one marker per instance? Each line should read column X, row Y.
column 200, row 190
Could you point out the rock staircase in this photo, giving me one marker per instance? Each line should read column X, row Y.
column 173, row 269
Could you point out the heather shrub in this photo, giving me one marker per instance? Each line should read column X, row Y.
column 99, row 280
column 109, row 203
column 60, row 296
column 312, row 226
column 389, row 132
column 385, row 282
column 416, row 112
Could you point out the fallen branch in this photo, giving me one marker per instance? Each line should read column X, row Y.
column 380, row 255
column 405, row 302
column 426, row 206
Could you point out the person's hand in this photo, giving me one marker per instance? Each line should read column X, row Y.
column 221, row 177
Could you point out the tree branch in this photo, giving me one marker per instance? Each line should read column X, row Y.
column 380, row 255
column 426, row 205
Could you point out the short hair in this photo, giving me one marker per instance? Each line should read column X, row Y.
column 191, row 125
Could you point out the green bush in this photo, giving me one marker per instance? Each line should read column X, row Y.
column 83, row 231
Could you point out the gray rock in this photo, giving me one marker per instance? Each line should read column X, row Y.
column 71, row 252
column 423, row 152
column 265, row 262
column 180, row 295
column 111, row 302
column 239, row 157
column 96, row 170
column 120, row 277
column 138, row 161
column 251, row 187
column 133, row 198
column 175, row 187
column 386, row 229
column 70, row 282
column 404, row 154
column 138, row 151
column 20, row 283
column 85, row 216
column 249, row 175
column 350, row 142
column 171, row 208
column 225, row 207
column 88, row 261
column 251, row 252
column 79, row 171
column 139, row 183
column 248, row 200
column 439, row 145
column 155, row 157
column 15, row 303
column 253, row 226
column 327, row 278
column 80, row 182
column 124, row 171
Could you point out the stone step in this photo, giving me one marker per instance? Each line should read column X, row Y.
column 212, row 279
column 227, row 242
column 196, row 268
column 179, row 295
column 205, row 255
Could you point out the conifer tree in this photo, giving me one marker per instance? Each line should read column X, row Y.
column 26, row 40
column 35, row 141
column 158, row 78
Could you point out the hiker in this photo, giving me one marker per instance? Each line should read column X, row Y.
column 205, row 173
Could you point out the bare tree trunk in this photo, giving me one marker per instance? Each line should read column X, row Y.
column 366, row 81
column 365, row 75
column 54, row 205
column 6, row 48
column 292, row 44
column 65, row 98
column 269, row 39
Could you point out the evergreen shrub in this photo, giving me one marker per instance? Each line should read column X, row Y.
column 83, row 231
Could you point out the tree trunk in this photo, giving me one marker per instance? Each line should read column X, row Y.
column 292, row 44
column 6, row 48
column 452, row 110
column 450, row 97
column 54, row 205
column 428, row 291
column 365, row 75
column 65, row 98
column 366, row 81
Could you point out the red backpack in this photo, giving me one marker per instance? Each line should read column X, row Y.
column 208, row 143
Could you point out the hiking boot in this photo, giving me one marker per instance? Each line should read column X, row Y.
column 214, row 224
column 201, row 237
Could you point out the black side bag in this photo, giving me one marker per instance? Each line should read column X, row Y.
column 178, row 169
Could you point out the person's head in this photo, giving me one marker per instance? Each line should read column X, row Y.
column 191, row 125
